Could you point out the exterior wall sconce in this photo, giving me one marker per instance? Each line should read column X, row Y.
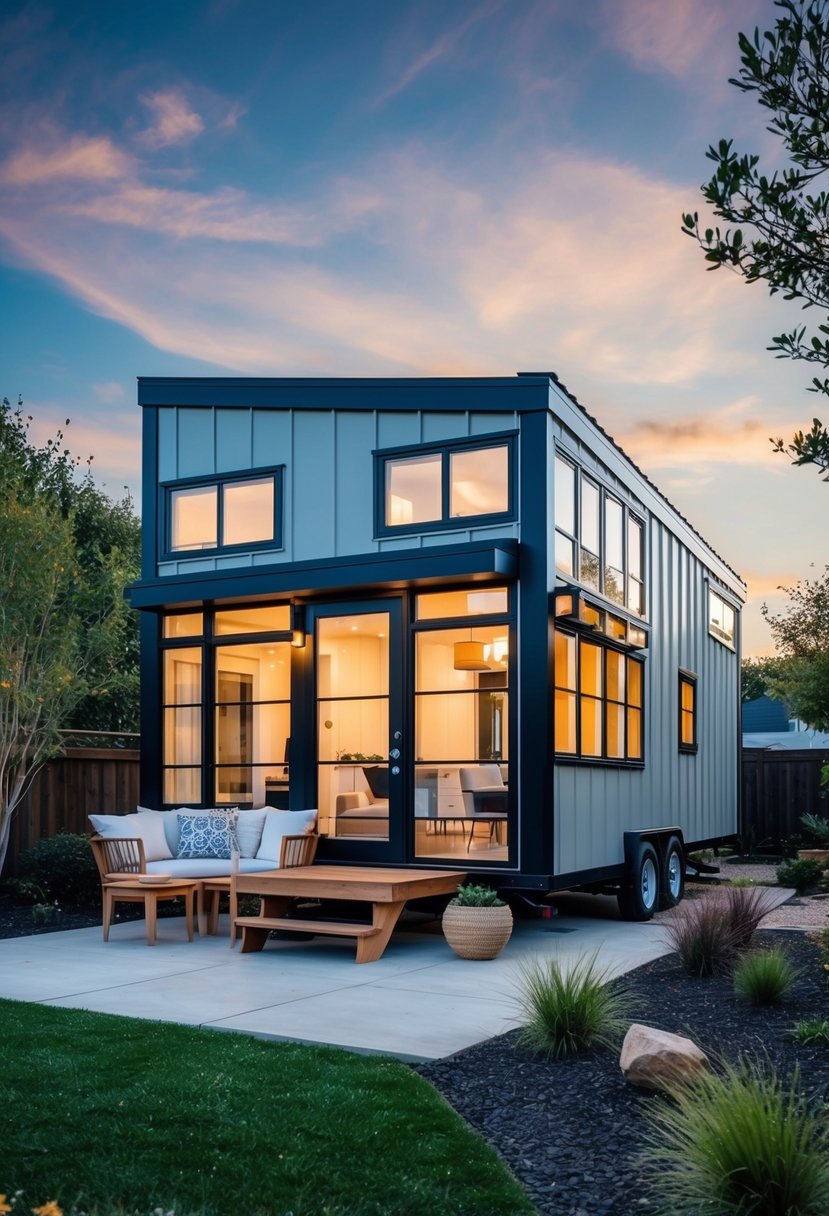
column 469, row 656
column 298, row 626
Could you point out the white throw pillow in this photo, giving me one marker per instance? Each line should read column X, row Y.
column 249, row 827
column 113, row 826
column 283, row 823
column 151, row 831
column 148, row 825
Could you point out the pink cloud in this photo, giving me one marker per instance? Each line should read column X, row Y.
column 675, row 37
column 80, row 158
column 174, row 121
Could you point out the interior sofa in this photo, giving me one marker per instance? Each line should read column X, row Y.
column 365, row 812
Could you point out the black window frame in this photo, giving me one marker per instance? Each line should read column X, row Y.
column 605, row 645
column 445, row 450
column 629, row 515
column 208, row 642
column 690, row 680
column 219, row 481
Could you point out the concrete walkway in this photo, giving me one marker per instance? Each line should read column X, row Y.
column 418, row 1002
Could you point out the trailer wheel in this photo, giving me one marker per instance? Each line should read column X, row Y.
column 639, row 896
column 672, row 885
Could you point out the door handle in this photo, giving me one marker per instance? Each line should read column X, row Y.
column 395, row 772
column 394, row 754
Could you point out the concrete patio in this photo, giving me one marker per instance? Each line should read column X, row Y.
column 418, row 1002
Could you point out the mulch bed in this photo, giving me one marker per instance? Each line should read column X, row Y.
column 572, row 1131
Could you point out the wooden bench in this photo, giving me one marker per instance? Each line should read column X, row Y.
column 386, row 889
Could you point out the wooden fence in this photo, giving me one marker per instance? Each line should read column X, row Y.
column 86, row 780
column 779, row 787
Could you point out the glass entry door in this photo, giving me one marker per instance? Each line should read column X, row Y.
column 360, row 747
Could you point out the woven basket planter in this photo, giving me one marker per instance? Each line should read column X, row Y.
column 477, row 932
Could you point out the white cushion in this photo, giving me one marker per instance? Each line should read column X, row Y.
column 148, row 825
column 249, row 827
column 283, row 823
column 172, row 831
column 207, row 867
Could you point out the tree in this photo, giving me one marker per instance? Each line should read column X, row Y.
column 67, row 638
column 782, row 217
column 801, row 634
column 757, row 677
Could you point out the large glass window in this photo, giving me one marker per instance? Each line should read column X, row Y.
column 601, row 543
column 226, row 708
column 229, row 512
column 433, row 488
column 462, row 740
column 597, row 700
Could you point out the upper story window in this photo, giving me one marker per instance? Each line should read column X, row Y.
column 599, row 541
column 720, row 619
column 429, row 488
column 229, row 512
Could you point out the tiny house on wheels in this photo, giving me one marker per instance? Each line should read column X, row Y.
column 451, row 614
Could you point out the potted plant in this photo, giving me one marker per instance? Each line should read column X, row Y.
column 818, row 830
column 476, row 923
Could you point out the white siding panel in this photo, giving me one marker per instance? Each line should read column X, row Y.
column 313, row 485
column 196, row 443
column 437, row 427
column 167, row 445
column 272, row 437
column 486, row 424
column 396, row 429
column 354, row 482
column 234, row 441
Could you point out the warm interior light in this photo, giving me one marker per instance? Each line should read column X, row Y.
column 565, row 605
column 469, row 656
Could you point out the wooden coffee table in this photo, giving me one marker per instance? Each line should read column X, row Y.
column 131, row 891
column 386, row 889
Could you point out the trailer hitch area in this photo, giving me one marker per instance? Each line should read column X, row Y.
column 534, row 908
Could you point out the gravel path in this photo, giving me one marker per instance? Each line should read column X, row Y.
column 573, row 1131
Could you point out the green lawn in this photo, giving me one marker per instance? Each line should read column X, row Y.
column 117, row 1115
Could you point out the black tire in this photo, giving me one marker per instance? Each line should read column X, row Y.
column 639, row 897
column 672, row 875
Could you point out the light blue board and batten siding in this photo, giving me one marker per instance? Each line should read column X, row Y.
column 329, row 492
column 595, row 805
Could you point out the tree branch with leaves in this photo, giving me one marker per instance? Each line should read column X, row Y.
column 781, row 235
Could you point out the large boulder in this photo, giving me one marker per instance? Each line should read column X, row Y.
column 655, row 1059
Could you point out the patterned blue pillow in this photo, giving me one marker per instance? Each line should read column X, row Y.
column 208, row 835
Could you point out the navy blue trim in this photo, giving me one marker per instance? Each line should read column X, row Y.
column 149, row 491
column 531, row 770
column 481, row 394
column 444, row 449
column 482, row 561
column 164, row 522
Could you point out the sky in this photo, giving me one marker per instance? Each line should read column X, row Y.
column 268, row 187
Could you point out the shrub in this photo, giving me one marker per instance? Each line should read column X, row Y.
column 472, row 896
column 63, row 868
column 763, row 977
column 703, row 937
column 800, row 874
column 817, row 828
column 816, row 1030
column 744, row 911
column 739, row 1143
column 567, row 1011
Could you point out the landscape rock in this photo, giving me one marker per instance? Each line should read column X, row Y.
column 656, row 1059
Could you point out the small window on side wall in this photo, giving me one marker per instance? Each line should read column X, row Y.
column 687, row 712
column 721, row 620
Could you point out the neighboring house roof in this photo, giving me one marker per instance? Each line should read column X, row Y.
column 764, row 714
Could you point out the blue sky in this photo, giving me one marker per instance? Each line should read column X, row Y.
column 243, row 186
